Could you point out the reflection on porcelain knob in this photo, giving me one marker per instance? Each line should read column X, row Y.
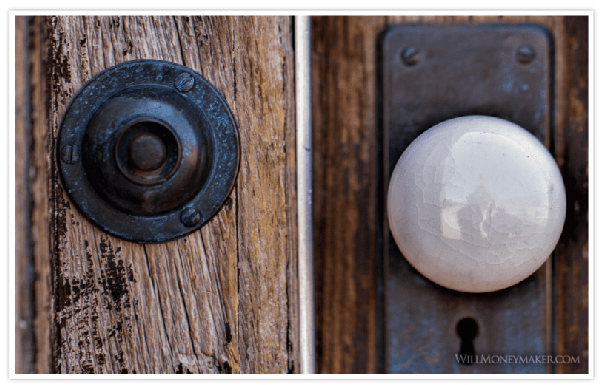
column 476, row 204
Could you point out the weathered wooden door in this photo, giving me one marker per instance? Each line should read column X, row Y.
column 220, row 300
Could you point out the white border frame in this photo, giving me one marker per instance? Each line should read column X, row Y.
column 389, row 11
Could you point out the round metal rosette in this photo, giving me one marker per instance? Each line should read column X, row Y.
column 148, row 150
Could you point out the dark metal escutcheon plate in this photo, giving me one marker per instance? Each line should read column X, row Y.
column 431, row 73
column 148, row 150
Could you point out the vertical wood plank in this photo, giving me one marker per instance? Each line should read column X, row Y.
column 345, row 184
column 33, row 202
column 216, row 301
column 39, row 195
column 572, row 262
column 24, row 339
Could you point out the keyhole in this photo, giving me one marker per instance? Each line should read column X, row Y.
column 467, row 329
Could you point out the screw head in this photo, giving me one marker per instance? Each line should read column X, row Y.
column 410, row 56
column 525, row 54
column 184, row 82
column 69, row 154
column 190, row 217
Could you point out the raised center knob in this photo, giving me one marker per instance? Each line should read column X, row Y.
column 147, row 152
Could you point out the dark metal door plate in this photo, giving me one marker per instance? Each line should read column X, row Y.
column 431, row 73
column 148, row 150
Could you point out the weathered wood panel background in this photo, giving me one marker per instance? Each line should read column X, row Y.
column 221, row 300
column 348, row 207
column 245, row 257
column 33, row 192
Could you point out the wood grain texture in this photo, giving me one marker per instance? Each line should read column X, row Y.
column 33, row 206
column 24, row 339
column 344, row 66
column 572, row 142
column 345, row 158
column 220, row 300
column 42, row 194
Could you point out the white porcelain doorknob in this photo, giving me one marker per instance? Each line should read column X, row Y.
column 476, row 204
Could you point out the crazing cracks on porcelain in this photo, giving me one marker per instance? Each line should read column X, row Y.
column 476, row 204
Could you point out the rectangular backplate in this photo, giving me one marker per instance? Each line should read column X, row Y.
column 450, row 71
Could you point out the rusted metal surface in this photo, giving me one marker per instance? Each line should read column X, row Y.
column 148, row 150
column 431, row 73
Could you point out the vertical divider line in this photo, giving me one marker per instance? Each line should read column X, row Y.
column 305, row 207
